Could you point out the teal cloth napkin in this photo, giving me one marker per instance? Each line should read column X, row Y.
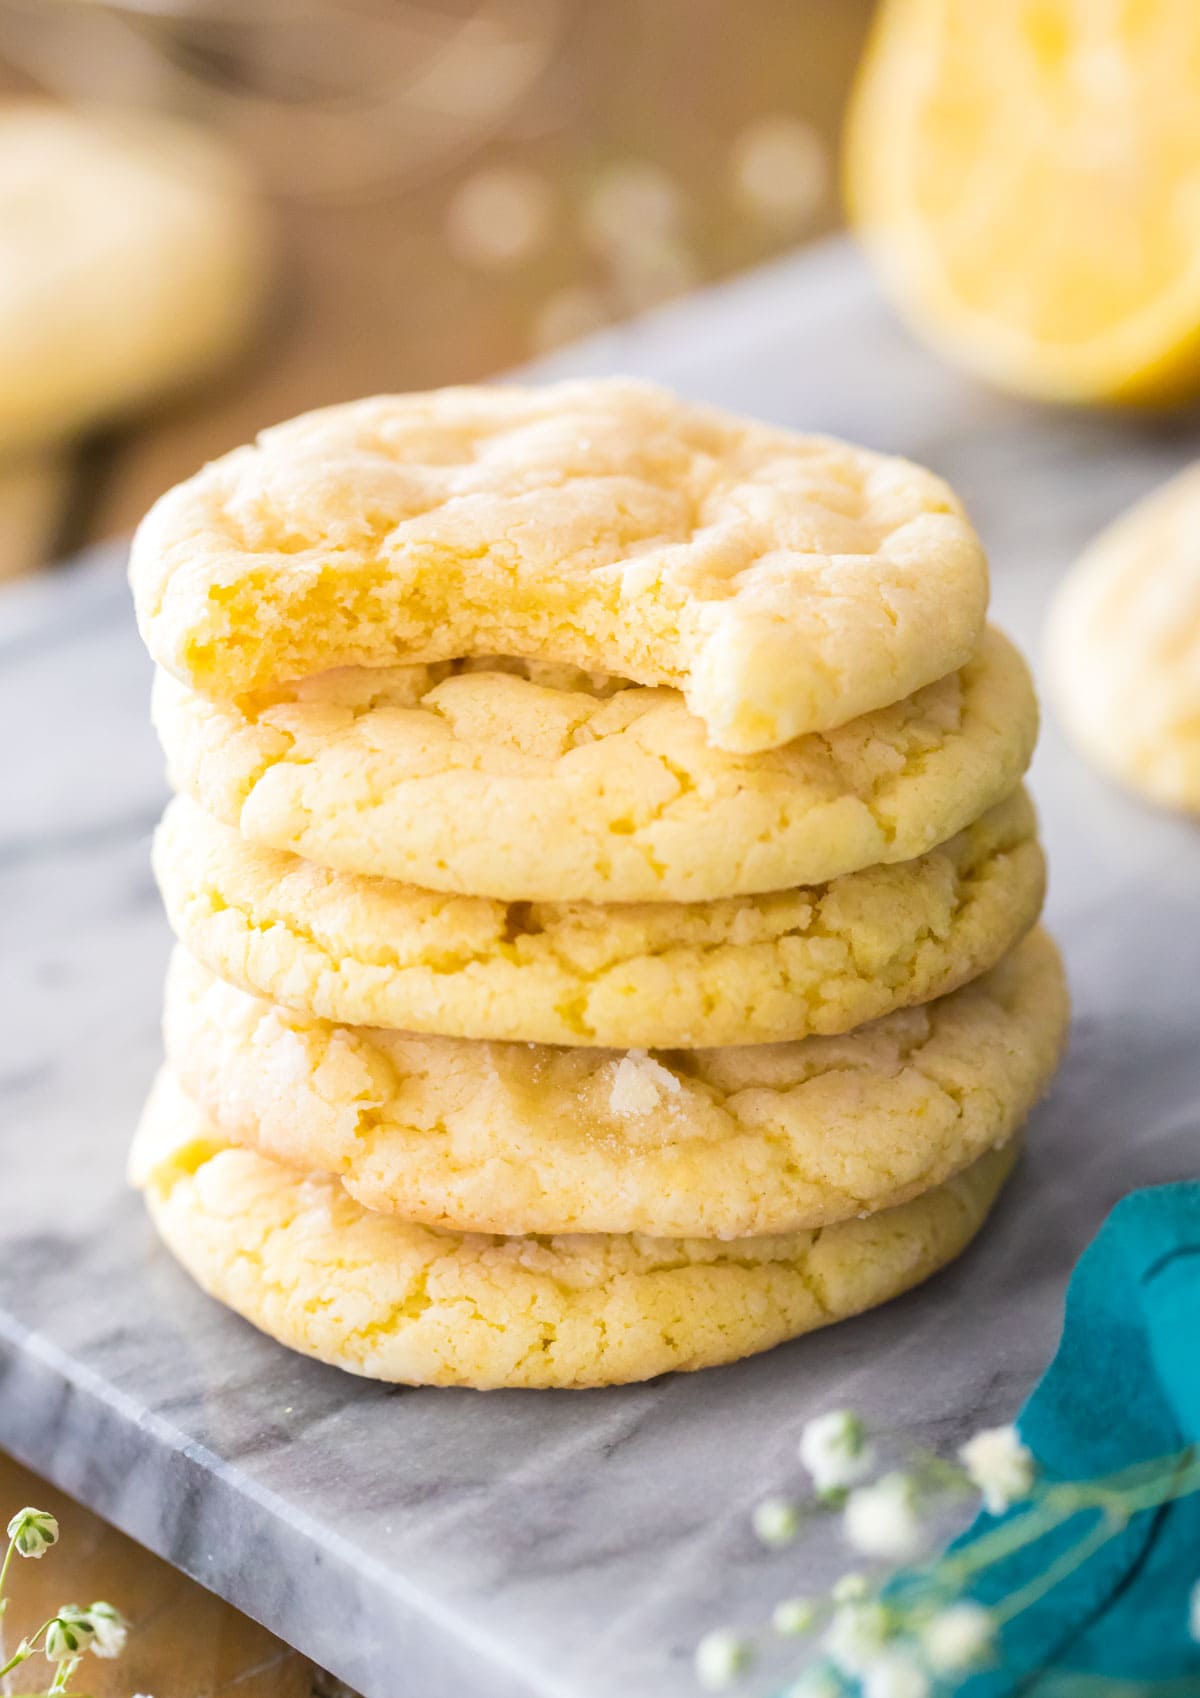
column 1123, row 1388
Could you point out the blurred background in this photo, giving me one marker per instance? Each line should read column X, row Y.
column 448, row 187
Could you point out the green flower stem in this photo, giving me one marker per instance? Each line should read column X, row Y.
column 1119, row 1496
column 25, row 1650
column 4, row 1567
column 63, row 1673
column 1064, row 1684
column 933, row 1473
column 1071, row 1559
column 13, row 1662
column 1000, row 1543
column 1181, row 1466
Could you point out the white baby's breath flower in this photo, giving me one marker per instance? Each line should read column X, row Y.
column 111, row 1630
column 849, row 1587
column 881, row 1520
column 895, row 1673
column 957, row 1638
column 721, row 1656
column 70, row 1633
column 793, row 1616
column 1000, row 1466
column 1194, row 1612
column 856, row 1636
column 776, row 1521
column 32, row 1532
column 836, row 1451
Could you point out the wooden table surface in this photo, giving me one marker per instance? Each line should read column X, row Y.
column 184, row 1642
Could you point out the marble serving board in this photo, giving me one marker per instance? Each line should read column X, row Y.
column 445, row 1544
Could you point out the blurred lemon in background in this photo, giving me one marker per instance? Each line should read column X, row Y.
column 1026, row 174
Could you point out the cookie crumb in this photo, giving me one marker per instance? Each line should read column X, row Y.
column 640, row 1083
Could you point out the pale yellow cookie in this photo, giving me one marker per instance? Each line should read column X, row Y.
column 379, row 1296
column 131, row 260
column 784, row 583
column 545, row 788
column 1124, row 646
column 748, row 969
column 720, row 1143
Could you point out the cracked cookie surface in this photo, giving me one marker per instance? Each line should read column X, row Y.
column 825, row 958
column 1123, row 646
column 378, row 1296
column 524, row 783
column 720, row 1143
column 784, row 583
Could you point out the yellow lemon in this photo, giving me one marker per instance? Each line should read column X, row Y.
column 1026, row 174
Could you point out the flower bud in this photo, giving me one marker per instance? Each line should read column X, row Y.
column 835, row 1450
column 881, row 1520
column 775, row 1522
column 69, row 1634
column 32, row 1532
column 1000, row 1466
column 110, row 1628
column 958, row 1638
column 721, row 1656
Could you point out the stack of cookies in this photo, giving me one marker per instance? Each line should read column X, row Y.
column 605, row 890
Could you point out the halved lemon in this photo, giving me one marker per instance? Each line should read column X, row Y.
column 1026, row 174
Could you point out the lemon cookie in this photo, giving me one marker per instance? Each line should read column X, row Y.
column 1124, row 646
column 380, row 1296
column 720, row 1143
column 784, row 583
column 749, row 969
column 131, row 259
column 530, row 786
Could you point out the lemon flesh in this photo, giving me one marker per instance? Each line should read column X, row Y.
column 1026, row 175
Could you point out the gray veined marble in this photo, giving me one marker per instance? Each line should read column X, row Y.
column 434, row 1544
